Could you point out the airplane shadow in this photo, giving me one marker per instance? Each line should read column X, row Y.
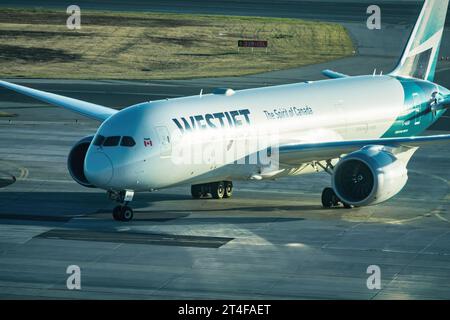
column 60, row 207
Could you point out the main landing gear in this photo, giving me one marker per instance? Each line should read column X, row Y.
column 329, row 197
column 122, row 212
column 331, row 200
column 218, row 190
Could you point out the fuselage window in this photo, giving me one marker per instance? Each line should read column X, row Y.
column 111, row 141
column 127, row 142
column 99, row 140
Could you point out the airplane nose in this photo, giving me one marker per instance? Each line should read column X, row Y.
column 98, row 169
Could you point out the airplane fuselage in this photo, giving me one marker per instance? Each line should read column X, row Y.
column 363, row 107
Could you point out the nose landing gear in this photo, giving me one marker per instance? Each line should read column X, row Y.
column 122, row 212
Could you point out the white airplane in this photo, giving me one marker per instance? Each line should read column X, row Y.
column 362, row 130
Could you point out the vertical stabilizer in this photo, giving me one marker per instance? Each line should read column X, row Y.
column 421, row 54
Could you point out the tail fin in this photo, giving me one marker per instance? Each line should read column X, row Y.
column 421, row 54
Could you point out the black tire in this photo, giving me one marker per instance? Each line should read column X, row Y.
column 217, row 190
column 196, row 191
column 126, row 214
column 116, row 213
column 336, row 200
column 328, row 198
column 347, row 206
column 228, row 189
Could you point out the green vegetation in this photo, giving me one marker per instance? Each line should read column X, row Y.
column 110, row 45
column 5, row 114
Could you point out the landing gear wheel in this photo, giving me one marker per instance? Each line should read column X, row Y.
column 228, row 189
column 196, row 191
column 116, row 213
column 329, row 198
column 126, row 214
column 123, row 213
column 347, row 206
column 218, row 190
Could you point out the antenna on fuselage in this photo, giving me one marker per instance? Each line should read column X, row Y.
column 201, row 93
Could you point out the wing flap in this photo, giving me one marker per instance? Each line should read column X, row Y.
column 87, row 109
column 307, row 152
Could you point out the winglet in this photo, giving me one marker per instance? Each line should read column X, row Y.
column 333, row 74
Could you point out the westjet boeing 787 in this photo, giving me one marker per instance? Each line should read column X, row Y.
column 362, row 130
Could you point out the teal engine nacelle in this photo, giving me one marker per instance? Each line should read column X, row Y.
column 369, row 176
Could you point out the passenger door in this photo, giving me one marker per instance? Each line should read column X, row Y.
column 164, row 140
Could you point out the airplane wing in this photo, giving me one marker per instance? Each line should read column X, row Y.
column 301, row 153
column 90, row 110
column 333, row 74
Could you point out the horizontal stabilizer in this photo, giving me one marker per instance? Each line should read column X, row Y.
column 333, row 74
column 445, row 102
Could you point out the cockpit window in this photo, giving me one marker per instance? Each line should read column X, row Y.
column 99, row 140
column 127, row 142
column 111, row 141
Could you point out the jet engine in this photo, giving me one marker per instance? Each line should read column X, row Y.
column 75, row 161
column 369, row 176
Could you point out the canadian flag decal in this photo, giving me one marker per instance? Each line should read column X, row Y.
column 147, row 142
